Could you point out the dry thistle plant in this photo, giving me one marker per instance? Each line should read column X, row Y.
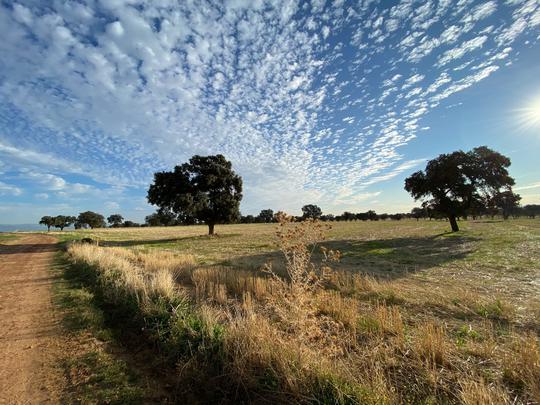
column 294, row 301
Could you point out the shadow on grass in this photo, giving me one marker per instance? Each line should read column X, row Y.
column 74, row 296
column 167, row 241
column 487, row 221
column 99, row 373
column 389, row 258
column 27, row 248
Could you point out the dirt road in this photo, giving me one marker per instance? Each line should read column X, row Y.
column 30, row 332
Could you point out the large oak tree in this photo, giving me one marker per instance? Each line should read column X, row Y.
column 266, row 216
column 63, row 221
column 48, row 221
column 507, row 201
column 454, row 182
column 90, row 219
column 205, row 189
column 311, row 211
column 115, row 220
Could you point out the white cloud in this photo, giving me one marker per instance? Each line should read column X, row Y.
column 52, row 183
column 464, row 83
column 9, row 189
column 115, row 29
column 510, row 34
column 22, row 14
column 325, row 32
column 440, row 81
column 112, row 205
column 394, row 172
column 116, row 92
column 412, row 80
column 460, row 51
column 47, row 181
column 527, row 187
column 29, row 157
column 450, row 35
column 481, row 11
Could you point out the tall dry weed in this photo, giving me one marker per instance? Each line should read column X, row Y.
column 236, row 282
column 431, row 344
column 479, row 392
column 523, row 365
column 293, row 299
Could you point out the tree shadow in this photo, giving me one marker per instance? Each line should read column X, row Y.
column 132, row 242
column 157, row 242
column 387, row 258
column 487, row 221
column 27, row 248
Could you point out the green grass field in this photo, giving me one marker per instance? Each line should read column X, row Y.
column 7, row 236
column 489, row 256
column 459, row 313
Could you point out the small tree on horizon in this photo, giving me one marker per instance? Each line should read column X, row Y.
column 63, row 221
column 532, row 210
column 48, row 221
column 507, row 201
column 311, row 211
column 349, row 216
column 161, row 218
column 153, row 220
column 453, row 181
column 115, row 220
column 418, row 212
column 91, row 219
column 205, row 189
column 266, row 216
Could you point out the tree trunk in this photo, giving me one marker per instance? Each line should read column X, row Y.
column 453, row 223
column 210, row 229
column 48, row 228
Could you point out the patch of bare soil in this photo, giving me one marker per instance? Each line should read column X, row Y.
column 31, row 338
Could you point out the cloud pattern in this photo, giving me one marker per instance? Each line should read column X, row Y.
column 311, row 100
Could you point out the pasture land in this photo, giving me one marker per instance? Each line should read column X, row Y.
column 7, row 236
column 409, row 313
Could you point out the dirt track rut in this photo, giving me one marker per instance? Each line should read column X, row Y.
column 30, row 331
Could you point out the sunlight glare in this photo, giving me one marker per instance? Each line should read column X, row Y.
column 529, row 116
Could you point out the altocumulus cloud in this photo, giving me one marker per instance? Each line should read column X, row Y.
column 310, row 100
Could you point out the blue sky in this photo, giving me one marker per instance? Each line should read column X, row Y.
column 325, row 102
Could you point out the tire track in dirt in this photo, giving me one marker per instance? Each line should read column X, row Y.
column 31, row 336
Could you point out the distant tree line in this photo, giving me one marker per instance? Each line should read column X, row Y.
column 85, row 220
column 425, row 212
column 207, row 191
column 456, row 185
column 59, row 221
column 312, row 211
column 93, row 220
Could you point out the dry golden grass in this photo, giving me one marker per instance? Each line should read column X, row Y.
column 432, row 345
column 523, row 365
column 235, row 282
column 478, row 392
column 117, row 263
column 449, row 331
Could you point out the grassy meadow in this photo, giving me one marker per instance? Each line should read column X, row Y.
column 7, row 236
column 349, row 312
